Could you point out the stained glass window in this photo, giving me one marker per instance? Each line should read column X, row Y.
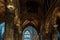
column 2, row 28
column 28, row 33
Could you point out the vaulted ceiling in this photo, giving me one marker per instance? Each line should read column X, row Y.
column 25, row 5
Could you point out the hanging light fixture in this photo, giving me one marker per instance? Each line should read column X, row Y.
column 55, row 26
column 11, row 6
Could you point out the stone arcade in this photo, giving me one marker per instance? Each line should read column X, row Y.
column 29, row 19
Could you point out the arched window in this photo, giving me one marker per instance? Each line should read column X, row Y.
column 2, row 28
column 29, row 32
column 27, row 35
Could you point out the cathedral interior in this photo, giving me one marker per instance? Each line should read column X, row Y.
column 29, row 19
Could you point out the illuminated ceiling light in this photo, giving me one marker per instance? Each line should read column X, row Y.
column 11, row 7
column 11, row 0
column 55, row 26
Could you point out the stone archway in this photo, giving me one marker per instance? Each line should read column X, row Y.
column 58, row 27
column 53, row 18
column 33, row 25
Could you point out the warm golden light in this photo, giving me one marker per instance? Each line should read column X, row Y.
column 12, row 7
column 55, row 26
column 58, row 14
column 11, row 0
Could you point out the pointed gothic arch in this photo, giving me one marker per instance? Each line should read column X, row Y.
column 30, row 33
column 53, row 21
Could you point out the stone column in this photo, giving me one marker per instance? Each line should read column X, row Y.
column 9, row 21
